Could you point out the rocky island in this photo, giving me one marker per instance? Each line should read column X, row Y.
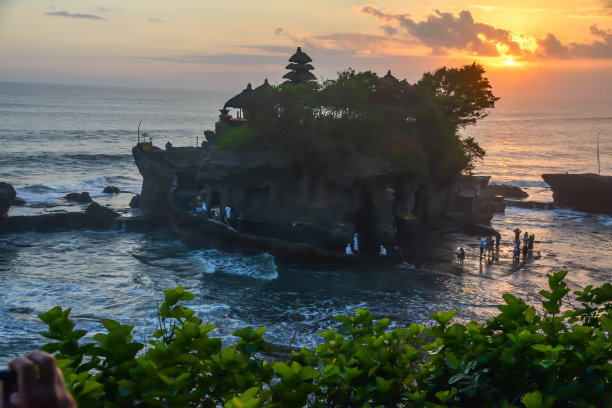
column 303, row 166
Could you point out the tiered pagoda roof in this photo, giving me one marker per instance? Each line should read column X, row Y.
column 299, row 68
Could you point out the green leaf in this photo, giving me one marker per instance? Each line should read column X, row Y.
column 532, row 399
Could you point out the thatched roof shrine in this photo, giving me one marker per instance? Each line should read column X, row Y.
column 239, row 100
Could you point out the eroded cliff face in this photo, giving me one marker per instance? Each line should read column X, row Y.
column 279, row 199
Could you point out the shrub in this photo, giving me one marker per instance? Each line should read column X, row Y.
column 524, row 356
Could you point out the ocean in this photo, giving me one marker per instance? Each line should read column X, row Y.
column 57, row 139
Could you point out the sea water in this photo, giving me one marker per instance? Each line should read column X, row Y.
column 58, row 139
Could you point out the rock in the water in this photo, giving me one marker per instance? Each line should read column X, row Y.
column 19, row 202
column 584, row 192
column 111, row 190
column 82, row 198
column 480, row 230
column 135, row 201
column 100, row 211
column 507, row 191
column 7, row 198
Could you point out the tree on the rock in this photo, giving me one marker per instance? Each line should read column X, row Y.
column 463, row 93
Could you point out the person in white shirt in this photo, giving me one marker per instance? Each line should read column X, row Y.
column 383, row 251
column 228, row 213
column 356, row 242
column 349, row 251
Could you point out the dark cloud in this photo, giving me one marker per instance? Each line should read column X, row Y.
column 597, row 49
column 76, row 15
column 156, row 20
column 445, row 31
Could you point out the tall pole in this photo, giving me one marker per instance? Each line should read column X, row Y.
column 598, row 163
column 139, row 132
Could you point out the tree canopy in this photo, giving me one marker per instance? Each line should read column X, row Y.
column 413, row 126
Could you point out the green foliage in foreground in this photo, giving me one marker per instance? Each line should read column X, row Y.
column 521, row 358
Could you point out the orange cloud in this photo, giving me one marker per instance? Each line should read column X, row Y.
column 445, row 32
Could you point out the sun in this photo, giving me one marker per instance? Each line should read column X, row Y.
column 510, row 62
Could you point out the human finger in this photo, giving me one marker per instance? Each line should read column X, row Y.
column 26, row 373
column 46, row 366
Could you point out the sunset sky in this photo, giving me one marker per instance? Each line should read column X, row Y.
column 530, row 49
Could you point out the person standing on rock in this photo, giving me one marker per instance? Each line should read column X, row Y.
column 228, row 213
column 482, row 246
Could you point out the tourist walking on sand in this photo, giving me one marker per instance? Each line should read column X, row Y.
column 497, row 239
column 460, row 256
column 348, row 249
column 525, row 239
column 482, row 246
column 517, row 235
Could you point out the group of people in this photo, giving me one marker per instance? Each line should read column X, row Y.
column 527, row 245
column 488, row 245
column 355, row 248
column 226, row 215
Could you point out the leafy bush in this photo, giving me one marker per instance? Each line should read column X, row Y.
column 238, row 138
column 524, row 356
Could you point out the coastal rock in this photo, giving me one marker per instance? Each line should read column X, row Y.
column 19, row 202
column 507, row 191
column 100, row 211
column 111, row 190
column 282, row 200
column 81, row 198
column 135, row 201
column 7, row 198
column 584, row 192
column 531, row 204
column 480, row 230
column 97, row 219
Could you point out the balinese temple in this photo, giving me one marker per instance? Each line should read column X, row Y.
column 299, row 71
column 299, row 68
column 237, row 102
column 389, row 76
column 263, row 86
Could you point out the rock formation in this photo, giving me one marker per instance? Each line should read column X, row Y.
column 278, row 199
column 111, row 190
column 81, row 198
column 584, row 192
column 507, row 191
column 7, row 197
